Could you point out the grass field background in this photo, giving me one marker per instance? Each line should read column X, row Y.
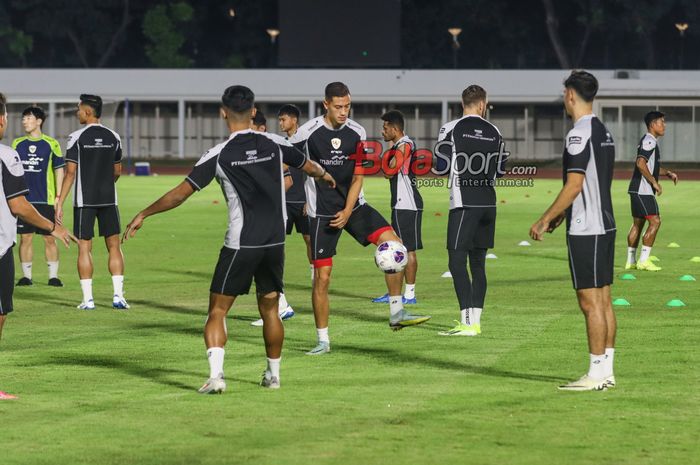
column 108, row 387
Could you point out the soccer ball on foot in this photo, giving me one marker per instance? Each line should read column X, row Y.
column 391, row 257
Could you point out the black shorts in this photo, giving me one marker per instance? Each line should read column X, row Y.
column 408, row 225
column 84, row 221
column 296, row 217
column 363, row 222
column 236, row 269
column 644, row 205
column 7, row 281
column 471, row 228
column 591, row 260
column 47, row 211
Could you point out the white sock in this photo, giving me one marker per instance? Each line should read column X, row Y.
column 273, row 367
column 86, row 286
column 53, row 269
column 631, row 255
column 216, row 361
column 464, row 316
column 27, row 269
column 476, row 314
column 410, row 292
column 283, row 304
column 118, row 283
column 311, row 268
column 323, row 335
column 395, row 305
column 609, row 357
column 644, row 256
column 596, row 369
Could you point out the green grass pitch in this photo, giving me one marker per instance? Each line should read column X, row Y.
column 108, row 387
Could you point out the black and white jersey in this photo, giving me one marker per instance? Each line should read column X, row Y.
column 248, row 166
column 12, row 184
column 475, row 163
column 95, row 149
column 648, row 149
column 332, row 149
column 590, row 150
column 404, row 193
column 296, row 193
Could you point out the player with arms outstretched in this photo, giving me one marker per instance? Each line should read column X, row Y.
column 249, row 168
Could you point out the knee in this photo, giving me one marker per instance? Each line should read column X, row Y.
column 655, row 221
column 322, row 280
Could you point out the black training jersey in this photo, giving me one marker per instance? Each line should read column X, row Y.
column 12, row 184
column 404, row 192
column 332, row 149
column 476, row 160
column 248, row 166
column 590, row 150
column 648, row 149
column 95, row 149
column 296, row 193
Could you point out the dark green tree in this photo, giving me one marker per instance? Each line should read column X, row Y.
column 163, row 25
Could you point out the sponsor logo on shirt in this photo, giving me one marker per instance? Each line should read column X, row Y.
column 32, row 149
column 574, row 140
column 252, row 158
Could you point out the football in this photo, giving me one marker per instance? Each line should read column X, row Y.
column 391, row 257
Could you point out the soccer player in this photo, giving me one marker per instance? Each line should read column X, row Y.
column 643, row 189
column 585, row 201
column 249, row 168
column 406, row 201
column 13, row 204
column 94, row 156
column 259, row 122
column 336, row 141
column 288, row 117
column 476, row 159
column 43, row 171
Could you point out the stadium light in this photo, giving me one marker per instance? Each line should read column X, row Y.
column 682, row 27
column 273, row 33
column 231, row 12
column 455, row 32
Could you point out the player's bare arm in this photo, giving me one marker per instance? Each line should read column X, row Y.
column 117, row 171
column 341, row 218
column 173, row 199
column 68, row 180
column 669, row 174
column 572, row 188
column 25, row 210
column 644, row 169
column 316, row 171
column 398, row 157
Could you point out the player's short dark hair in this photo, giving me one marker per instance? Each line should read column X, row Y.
column 259, row 118
column 652, row 116
column 36, row 111
column 395, row 118
column 473, row 94
column 289, row 110
column 238, row 99
column 336, row 89
column 584, row 83
column 3, row 104
column 94, row 102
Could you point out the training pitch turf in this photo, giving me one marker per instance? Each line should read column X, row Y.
column 109, row 387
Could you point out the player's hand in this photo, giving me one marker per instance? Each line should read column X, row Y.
column 538, row 229
column 340, row 219
column 329, row 179
column 303, row 209
column 132, row 227
column 63, row 235
column 59, row 214
column 657, row 188
column 673, row 177
column 554, row 224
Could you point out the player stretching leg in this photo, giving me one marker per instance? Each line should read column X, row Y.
column 249, row 168
column 43, row 170
column 331, row 140
column 406, row 201
column 589, row 159
column 475, row 147
column 643, row 189
column 94, row 156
